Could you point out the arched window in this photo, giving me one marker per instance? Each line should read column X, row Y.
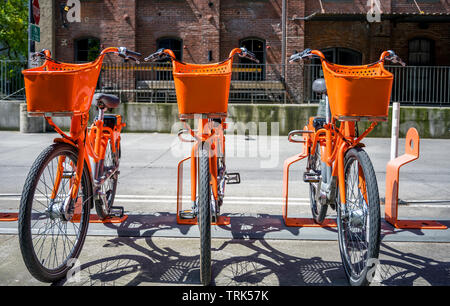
column 421, row 51
column 174, row 44
column 255, row 45
column 87, row 49
column 343, row 56
column 258, row 47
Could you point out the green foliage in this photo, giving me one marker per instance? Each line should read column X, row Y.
column 13, row 29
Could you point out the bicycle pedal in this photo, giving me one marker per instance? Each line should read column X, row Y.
column 68, row 174
column 233, row 178
column 116, row 211
column 309, row 177
column 187, row 214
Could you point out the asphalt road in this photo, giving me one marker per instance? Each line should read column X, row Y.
column 147, row 185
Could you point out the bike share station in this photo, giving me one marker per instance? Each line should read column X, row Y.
column 284, row 227
column 329, row 151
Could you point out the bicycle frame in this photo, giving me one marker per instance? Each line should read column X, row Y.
column 337, row 142
column 82, row 140
column 213, row 133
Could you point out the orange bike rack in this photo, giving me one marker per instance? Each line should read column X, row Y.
column 298, row 222
column 96, row 219
column 221, row 219
column 93, row 218
column 392, row 182
column 9, row 217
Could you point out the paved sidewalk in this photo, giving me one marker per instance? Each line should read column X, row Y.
column 156, row 251
column 159, row 261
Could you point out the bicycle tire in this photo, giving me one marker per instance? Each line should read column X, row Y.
column 318, row 211
column 36, row 176
column 109, row 187
column 359, row 221
column 204, row 215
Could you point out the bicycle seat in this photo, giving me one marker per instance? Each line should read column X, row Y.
column 102, row 100
column 319, row 86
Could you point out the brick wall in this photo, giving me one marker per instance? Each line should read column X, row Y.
column 113, row 22
column 219, row 25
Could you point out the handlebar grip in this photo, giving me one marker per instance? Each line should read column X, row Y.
column 158, row 55
column 307, row 53
column 252, row 56
column 133, row 53
column 247, row 54
column 394, row 58
column 295, row 57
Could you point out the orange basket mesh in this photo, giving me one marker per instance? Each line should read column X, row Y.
column 202, row 89
column 358, row 92
column 61, row 88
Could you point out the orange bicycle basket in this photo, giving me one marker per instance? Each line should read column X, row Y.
column 358, row 92
column 202, row 89
column 60, row 88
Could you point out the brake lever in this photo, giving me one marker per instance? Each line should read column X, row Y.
column 155, row 56
column 247, row 54
column 295, row 57
column 394, row 58
column 40, row 54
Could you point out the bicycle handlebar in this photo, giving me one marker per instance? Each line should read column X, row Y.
column 128, row 54
column 160, row 54
column 247, row 54
column 392, row 57
column 164, row 54
column 308, row 53
column 121, row 51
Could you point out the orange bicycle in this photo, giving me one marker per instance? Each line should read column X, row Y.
column 61, row 186
column 203, row 90
column 338, row 170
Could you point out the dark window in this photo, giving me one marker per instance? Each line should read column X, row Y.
column 87, row 49
column 173, row 44
column 420, row 52
column 257, row 71
column 343, row 56
column 257, row 47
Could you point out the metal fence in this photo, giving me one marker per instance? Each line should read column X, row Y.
column 153, row 82
column 11, row 80
column 250, row 83
column 413, row 85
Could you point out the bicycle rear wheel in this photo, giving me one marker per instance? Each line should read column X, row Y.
column 48, row 235
column 204, row 215
column 359, row 220
column 109, row 187
column 318, row 210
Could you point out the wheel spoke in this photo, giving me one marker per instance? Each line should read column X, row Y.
column 52, row 240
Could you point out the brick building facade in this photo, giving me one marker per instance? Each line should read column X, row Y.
column 206, row 30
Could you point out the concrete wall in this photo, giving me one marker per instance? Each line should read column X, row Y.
column 9, row 115
column 431, row 122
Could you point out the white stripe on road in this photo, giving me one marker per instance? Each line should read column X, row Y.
column 235, row 200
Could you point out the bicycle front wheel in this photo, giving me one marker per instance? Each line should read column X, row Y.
column 359, row 218
column 204, row 215
column 52, row 229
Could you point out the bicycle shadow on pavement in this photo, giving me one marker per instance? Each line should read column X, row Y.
column 241, row 227
column 154, row 260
